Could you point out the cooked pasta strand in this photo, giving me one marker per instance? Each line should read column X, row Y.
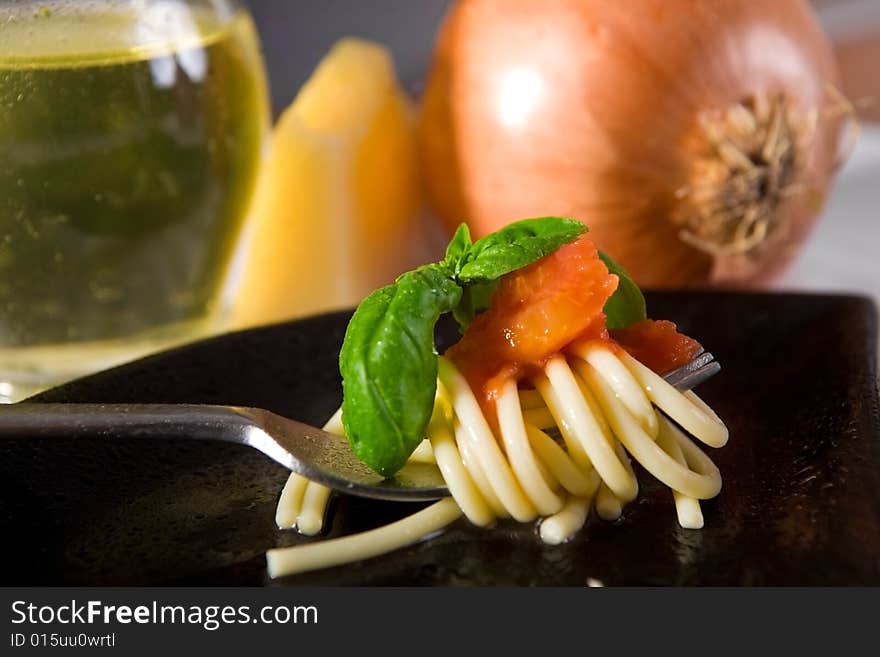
column 290, row 502
column 548, row 477
column 336, row 551
column 646, row 451
column 423, row 453
column 561, row 526
column 299, row 493
column 703, row 406
column 696, row 458
column 475, row 470
column 704, row 426
column 459, row 482
column 519, row 452
column 334, row 424
column 690, row 515
column 595, row 409
column 586, row 428
column 530, row 400
column 488, row 453
column 310, row 520
column 607, row 505
column 569, row 475
column 572, row 444
column 539, row 417
column 621, row 381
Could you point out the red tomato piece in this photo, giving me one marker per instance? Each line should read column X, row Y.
column 535, row 312
column 657, row 344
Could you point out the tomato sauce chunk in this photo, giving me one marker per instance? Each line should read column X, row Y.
column 657, row 344
column 535, row 313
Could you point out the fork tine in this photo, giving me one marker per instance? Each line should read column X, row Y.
column 694, row 373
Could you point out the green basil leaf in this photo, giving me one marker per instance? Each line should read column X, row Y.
column 517, row 245
column 457, row 249
column 474, row 299
column 389, row 366
column 627, row 305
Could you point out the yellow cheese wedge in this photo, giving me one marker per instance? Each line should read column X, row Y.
column 338, row 209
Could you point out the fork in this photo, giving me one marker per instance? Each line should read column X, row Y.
column 318, row 455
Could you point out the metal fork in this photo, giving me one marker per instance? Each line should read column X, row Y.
column 321, row 456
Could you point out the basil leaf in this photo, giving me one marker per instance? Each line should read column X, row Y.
column 474, row 299
column 389, row 366
column 457, row 249
column 517, row 245
column 627, row 305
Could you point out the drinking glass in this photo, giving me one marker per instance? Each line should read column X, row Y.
column 131, row 132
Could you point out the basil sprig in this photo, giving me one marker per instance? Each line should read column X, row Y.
column 388, row 360
column 389, row 366
column 513, row 247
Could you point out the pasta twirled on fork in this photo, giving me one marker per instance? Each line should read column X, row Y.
column 537, row 413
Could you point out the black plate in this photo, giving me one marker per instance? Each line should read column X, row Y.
column 800, row 504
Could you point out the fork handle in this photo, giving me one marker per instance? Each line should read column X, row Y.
column 71, row 421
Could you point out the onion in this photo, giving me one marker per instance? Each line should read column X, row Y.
column 697, row 139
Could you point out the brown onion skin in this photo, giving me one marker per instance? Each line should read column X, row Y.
column 615, row 123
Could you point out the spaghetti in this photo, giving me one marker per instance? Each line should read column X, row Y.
column 538, row 410
column 598, row 400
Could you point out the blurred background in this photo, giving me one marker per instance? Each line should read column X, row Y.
column 852, row 221
column 171, row 169
column 841, row 255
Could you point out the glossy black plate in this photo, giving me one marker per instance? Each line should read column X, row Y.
column 800, row 504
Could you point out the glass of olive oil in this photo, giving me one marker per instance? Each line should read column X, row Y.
column 130, row 137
